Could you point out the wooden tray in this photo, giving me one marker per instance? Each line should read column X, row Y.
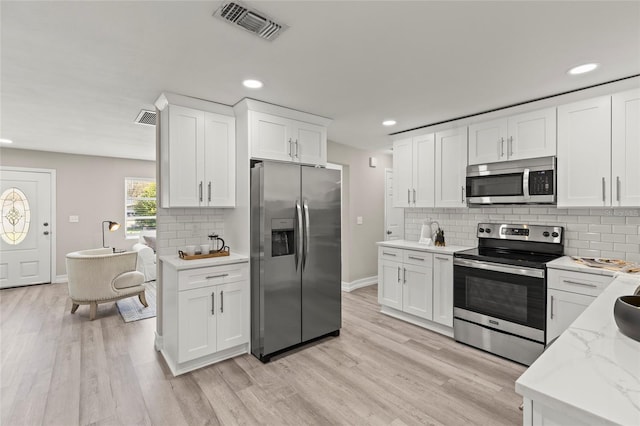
column 224, row 252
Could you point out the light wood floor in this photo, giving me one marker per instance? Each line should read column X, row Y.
column 62, row 369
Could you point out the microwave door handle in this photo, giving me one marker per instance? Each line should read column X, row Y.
column 525, row 184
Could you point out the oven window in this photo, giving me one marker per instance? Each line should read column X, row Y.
column 495, row 186
column 497, row 299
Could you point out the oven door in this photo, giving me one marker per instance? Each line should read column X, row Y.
column 508, row 298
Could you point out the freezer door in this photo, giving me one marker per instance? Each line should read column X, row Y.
column 280, row 266
column 321, row 260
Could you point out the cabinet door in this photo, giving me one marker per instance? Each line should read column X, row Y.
column 451, row 167
column 423, row 174
column 390, row 283
column 562, row 309
column 310, row 143
column 487, row 142
column 196, row 323
column 417, row 291
column 186, row 156
column 443, row 289
column 220, row 160
column 584, row 153
column 233, row 314
column 270, row 137
column 625, row 148
column 402, row 174
column 532, row 134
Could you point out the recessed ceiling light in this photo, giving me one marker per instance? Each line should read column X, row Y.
column 389, row 123
column 2, row 140
column 252, row 84
column 581, row 69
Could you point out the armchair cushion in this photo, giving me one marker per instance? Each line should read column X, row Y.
column 146, row 262
column 128, row 279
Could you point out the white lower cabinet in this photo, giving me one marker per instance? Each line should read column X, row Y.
column 205, row 315
column 417, row 286
column 569, row 293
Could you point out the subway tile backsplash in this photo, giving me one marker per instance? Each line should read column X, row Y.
column 613, row 233
column 177, row 228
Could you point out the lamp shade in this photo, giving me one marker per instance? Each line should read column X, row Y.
column 111, row 225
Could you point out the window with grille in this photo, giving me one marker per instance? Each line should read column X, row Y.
column 140, row 205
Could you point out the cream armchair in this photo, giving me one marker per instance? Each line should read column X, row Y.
column 99, row 276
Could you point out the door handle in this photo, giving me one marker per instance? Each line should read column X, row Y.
column 290, row 154
column 404, row 275
column 216, row 276
column 209, row 190
column 297, row 148
column 416, row 258
column 221, row 301
column 603, row 189
column 213, row 310
column 579, row 283
column 510, row 147
column 200, row 190
column 298, row 253
column 501, row 147
column 618, row 188
column 414, row 196
column 388, row 254
column 398, row 274
column 307, row 220
column 462, row 194
column 552, row 306
column 408, row 196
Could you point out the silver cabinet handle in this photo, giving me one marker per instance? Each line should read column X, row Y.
column 408, row 196
column 404, row 275
column 398, row 274
column 579, row 283
column 618, row 188
column 209, row 190
column 290, row 154
column 441, row 258
column 603, row 189
column 307, row 221
column 200, row 191
column 417, row 258
column 217, row 276
column 297, row 156
column 221, row 301
column 501, row 147
column 510, row 147
column 389, row 254
column 414, row 196
column 462, row 194
column 213, row 311
column 551, row 306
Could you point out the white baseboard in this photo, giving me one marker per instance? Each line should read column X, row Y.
column 60, row 279
column 362, row 282
column 158, row 342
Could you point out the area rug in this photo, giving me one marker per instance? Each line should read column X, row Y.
column 132, row 310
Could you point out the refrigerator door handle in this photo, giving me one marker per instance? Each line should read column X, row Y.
column 299, row 226
column 306, row 234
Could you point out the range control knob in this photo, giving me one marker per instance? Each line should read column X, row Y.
column 545, row 234
column 481, row 230
column 554, row 234
column 488, row 230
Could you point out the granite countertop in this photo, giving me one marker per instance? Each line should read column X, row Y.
column 592, row 371
column 414, row 245
column 568, row 264
column 181, row 264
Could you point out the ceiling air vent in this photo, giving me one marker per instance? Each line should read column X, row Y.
column 250, row 19
column 148, row 118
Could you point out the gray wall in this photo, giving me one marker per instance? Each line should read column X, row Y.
column 363, row 192
column 87, row 186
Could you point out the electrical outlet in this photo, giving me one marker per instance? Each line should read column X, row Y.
column 74, row 219
column 359, row 220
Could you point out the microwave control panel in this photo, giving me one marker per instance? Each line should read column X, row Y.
column 541, row 182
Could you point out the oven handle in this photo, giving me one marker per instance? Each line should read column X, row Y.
column 507, row 269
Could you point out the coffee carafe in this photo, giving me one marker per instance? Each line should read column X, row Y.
column 217, row 243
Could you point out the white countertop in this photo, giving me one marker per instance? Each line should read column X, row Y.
column 414, row 245
column 181, row 264
column 568, row 264
column 592, row 371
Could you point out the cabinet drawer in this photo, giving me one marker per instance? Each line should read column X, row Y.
column 202, row 277
column 577, row 282
column 390, row 253
column 418, row 258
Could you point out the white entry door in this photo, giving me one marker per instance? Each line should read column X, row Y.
column 25, row 228
column 393, row 216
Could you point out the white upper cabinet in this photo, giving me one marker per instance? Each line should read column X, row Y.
column 527, row 135
column 282, row 134
column 413, row 172
column 584, row 153
column 451, row 168
column 625, row 148
column 197, row 150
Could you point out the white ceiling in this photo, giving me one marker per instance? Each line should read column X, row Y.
column 74, row 75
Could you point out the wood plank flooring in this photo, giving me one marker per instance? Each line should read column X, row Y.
column 62, row 369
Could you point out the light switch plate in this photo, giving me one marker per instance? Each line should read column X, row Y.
column 359, row 220
column 74, row 219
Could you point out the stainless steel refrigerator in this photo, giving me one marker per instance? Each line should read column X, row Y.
column 295, row 256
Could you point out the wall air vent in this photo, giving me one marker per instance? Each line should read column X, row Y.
column 147, row 118
column 250, row 19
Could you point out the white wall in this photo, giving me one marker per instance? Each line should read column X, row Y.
column 612, row 233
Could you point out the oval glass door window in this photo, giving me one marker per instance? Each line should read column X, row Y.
column 16, row 216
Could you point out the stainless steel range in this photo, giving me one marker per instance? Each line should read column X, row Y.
column 500, row 289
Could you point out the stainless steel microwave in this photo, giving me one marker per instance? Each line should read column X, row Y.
column 531, row 181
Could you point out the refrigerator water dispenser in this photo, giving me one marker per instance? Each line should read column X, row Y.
column 282, row 238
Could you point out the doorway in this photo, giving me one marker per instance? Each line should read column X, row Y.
column 393, row 216
column 27, row 226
